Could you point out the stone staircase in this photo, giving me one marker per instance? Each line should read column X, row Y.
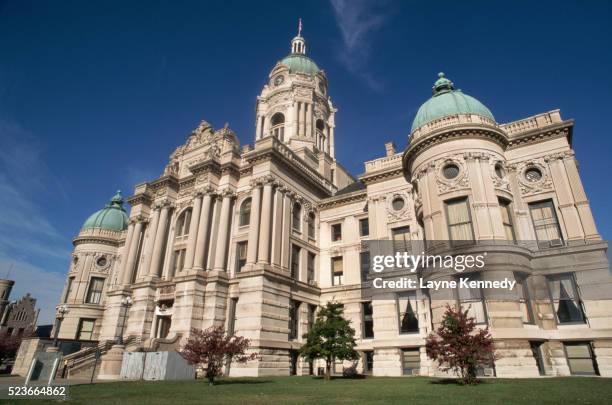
column 79, row 365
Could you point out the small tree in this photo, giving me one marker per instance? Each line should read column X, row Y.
column 458, row 346
column 9, row 344
column 212, row 347
column 331, row 337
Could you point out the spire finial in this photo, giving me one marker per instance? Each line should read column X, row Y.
column 442, row 85
column 299, row 27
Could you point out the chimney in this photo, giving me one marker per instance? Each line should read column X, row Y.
column 390, row 148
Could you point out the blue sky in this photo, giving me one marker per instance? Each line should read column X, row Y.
column 95, row 95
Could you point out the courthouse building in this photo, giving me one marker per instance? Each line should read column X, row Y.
column 256, row 237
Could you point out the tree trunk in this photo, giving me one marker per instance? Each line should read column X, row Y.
column 328, row 369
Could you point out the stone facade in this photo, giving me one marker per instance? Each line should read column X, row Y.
column 18, row 317
column 255, row 238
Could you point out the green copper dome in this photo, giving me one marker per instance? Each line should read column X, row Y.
column 447, row 101
column 298, row 63
column 112, row 217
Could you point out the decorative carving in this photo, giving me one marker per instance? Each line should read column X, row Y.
column 398, row 214
column 533, row 187
column 461, row 181
column 499, row 182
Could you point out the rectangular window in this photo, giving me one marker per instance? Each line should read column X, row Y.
column 459, row 220
column 337, row 270
column 295, row 262
column 407, row 311
column 368, row 320
column 86, row 327
column 411, row 361
column 565, row 298
column 179, row 260
column 336, row 232
column 580, row 358
column 311, row 267
column 401, row 239
column 241, row 255
column 506, row 214
column 94, row 294
column 364, row 264
column 312, row 313
column 364, row 227
column 293, row 319
column 545, row 223
column 524, row 298
column 472, row 300
column 68, row 289
column 231, row 316
column 368, row 362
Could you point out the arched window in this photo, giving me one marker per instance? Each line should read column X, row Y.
column 297, row 213
column 245, row 212
column 278, row 126
column 182, row 224
column 311, row 225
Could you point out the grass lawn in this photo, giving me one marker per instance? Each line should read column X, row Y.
column 413, row 390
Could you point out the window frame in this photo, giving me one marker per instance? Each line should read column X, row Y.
column 79, row 330
column 507, row 206
column 365, row 221
column 336, row 237
column 240, row 262
column 341, row 276
column 576, row 291
column 466, row 200
column 537, row 204
column 400, row 312
column 244, row 214
column 294, row 261
column 591, row 357
column 98, row 293
column 365, row 320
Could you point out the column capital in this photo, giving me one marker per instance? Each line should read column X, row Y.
column 227, row 193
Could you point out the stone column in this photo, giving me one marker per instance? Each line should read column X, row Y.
column 224, row 224
column 308, row 116
column 303, row 119
column 286, row 233
column 565, row 198
column 126, row 252
column 151, row 241
column 266, row 220
column 155, row 270
column 254, row 224
column 332, row 146
column 131, row 258
column 193, row 231
column 200, row 250
column 277, row 227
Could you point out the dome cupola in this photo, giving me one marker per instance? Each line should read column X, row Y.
column 112, row 217
column 447, row 101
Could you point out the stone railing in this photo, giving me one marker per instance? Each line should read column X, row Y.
column 304, row 168
column 383, row 163
column 532, row 123
column 100, row 233
column 449, row 121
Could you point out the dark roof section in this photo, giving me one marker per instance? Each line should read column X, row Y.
column 351, row 188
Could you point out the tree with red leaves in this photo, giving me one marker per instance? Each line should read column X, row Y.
column 459, row 346
column 211, row 348
column 9, row 344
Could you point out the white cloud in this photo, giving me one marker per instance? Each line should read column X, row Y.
column 357, row 20
column 29, row 242
column 44, row 285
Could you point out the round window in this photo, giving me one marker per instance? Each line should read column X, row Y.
column 450, row 171
column 533, row 174
column 101, row 262
column 398, row 203
column 499, row 170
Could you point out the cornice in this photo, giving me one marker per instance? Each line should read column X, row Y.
column 355, row 196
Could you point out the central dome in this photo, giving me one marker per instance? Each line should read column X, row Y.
column 298, row 63
column 447, row 101
column 112, row 217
